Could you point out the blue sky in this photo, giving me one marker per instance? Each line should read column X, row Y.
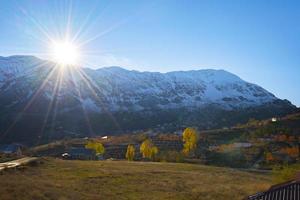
column 257, row 40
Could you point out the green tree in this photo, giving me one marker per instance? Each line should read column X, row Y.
column 130, row 152
column 189, row 138
column 148, row 149
column 96, row 146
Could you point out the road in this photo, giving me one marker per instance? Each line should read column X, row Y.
column 16, row 163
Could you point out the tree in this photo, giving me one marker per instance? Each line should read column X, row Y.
column 189, row 138
column 281, row 138
column 293, row 152
column 148, row 149
column 96, row 146
column 130, row 152
column 154, row 151
column 269, row 157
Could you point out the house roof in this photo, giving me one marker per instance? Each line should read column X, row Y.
column 278, row 192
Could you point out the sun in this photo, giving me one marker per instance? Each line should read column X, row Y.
column 65, row 53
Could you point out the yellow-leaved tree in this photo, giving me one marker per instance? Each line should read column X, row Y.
column 96, row 146
column 130, row 152
column 154, row 151
column 189, row 138
column 148, row 149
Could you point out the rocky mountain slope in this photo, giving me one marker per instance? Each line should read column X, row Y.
column 40, row 100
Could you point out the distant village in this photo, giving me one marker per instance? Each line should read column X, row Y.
column 238, row 146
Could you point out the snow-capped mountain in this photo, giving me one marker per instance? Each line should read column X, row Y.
column 124, row 90
column 143, row 90
column 127, row 99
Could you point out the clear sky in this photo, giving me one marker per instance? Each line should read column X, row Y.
column 257, row 40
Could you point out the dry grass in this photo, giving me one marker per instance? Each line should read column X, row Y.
column 59, row 179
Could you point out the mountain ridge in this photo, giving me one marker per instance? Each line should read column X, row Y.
column 113, row 99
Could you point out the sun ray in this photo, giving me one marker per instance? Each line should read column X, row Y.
column 85, row 28
column 31, row 100
column 36, row 23
column 50, row 105
column 68, row 26
column 91, row 85
column 108, row 30
column 111, row 28
column 91, row 132
column 57, row 95
column 65, row 52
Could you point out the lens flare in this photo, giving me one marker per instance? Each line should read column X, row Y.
column 65, row 53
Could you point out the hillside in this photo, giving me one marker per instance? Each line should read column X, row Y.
column 82, row 180
column 258, row 143
column 244, row 145
column 41, row 102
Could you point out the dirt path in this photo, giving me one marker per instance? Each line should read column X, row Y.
column 16, row 163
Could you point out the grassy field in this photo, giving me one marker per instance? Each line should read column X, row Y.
column 61, row 180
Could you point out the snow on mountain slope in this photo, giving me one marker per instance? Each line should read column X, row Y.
column 122, row 89
column 178, row 89
column 114, row 99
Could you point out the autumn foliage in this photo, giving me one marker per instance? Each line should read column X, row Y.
column 293, row 152
column 130, row 152
column 189, row 138
column 269, row 157
column 285, row 138
column 148, row 149
column 96, row 146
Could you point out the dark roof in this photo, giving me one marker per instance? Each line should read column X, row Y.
column 287, row 190
column 9, row 148
column 81, row 151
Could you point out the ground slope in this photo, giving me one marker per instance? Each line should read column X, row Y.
column 59, row 179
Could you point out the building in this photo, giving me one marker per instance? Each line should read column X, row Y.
column 274, row 119
column 242, row 144
column 288, row 190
